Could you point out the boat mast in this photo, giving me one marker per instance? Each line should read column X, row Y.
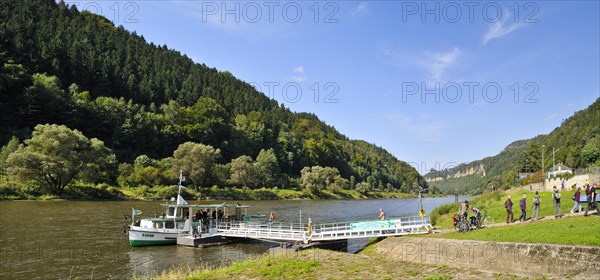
column 181, row 180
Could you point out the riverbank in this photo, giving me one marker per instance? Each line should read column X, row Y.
column 517, row 251
column 547, row 261
column 324, row 264
column 547, row 248
column 145, row 193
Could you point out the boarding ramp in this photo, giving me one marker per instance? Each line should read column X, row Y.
column 325, row 232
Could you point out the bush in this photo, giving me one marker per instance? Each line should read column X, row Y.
column 264, row 193
column 11, row 192
column 166, row 192
column 442, row 210
column 88, row 191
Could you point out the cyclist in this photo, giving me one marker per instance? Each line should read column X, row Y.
column 464, row 209
column 477, row 217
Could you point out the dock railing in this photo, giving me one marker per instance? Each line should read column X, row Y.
column 326, row 231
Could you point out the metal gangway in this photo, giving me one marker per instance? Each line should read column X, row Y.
column 325, row 232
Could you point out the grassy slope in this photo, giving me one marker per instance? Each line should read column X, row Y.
column 576, row 230
column 494, row 204
column 569, row 230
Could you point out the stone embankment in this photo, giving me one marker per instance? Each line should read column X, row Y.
column 549, row 260
column 549, row 184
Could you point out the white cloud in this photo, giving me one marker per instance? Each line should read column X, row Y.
column 423, row 127
column 360, row 10
column 438, row 63
column 435, row 64
column 298, row 69
column 550, row 117
column 298, row 79
column 298, row 74
column 502, row 27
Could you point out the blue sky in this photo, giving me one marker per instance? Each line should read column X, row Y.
column 390, row 72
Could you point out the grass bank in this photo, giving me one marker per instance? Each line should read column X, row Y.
column 493, row 203
column 323, row 264
column 575, row 230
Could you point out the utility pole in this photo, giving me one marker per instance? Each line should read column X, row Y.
column 543, row 166
column 455, row 195
column 553, row 163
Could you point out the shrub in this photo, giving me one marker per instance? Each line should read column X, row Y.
column 166, row 192
column 442, row 210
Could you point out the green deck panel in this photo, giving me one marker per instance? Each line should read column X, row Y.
column 138, row 243
column 373, row 225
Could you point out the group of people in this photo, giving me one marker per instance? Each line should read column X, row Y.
column 590, row 191
column 463, row 211
column 508, row 204
column 205, row 215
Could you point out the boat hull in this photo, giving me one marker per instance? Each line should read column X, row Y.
column 147, row 237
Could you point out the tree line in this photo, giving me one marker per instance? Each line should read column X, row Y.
column 145, row 103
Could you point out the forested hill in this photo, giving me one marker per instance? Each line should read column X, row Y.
column 74, row 68
column 576, row 144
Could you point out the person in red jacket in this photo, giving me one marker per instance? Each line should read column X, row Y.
column 577, row 199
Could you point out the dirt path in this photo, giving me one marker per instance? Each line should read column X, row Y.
column 517, row 222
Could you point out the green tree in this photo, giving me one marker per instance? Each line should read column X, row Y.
column 267, row 167
column 7, row 149
column 196, row 161
column 243, row 172
column 317, row 178
column 144, row 161
column 55, row 155
column 590, row 153
column 13, row 80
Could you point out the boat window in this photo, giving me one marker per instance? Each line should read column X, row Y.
column 157, row 224
column 180, row 225
column 169, row 224
column 171, row 211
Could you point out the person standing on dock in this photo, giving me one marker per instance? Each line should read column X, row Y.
column 381, row 214
column 310, row 227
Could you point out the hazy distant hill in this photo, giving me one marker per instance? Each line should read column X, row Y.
column 576, row 143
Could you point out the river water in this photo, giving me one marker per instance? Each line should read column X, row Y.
column 69, row 239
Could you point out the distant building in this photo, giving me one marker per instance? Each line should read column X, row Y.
column 558, row 170
column 523, row 175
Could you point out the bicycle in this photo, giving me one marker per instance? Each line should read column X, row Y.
column 485, row 221
column 461, row 224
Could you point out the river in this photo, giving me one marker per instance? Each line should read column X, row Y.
column 69, row 239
